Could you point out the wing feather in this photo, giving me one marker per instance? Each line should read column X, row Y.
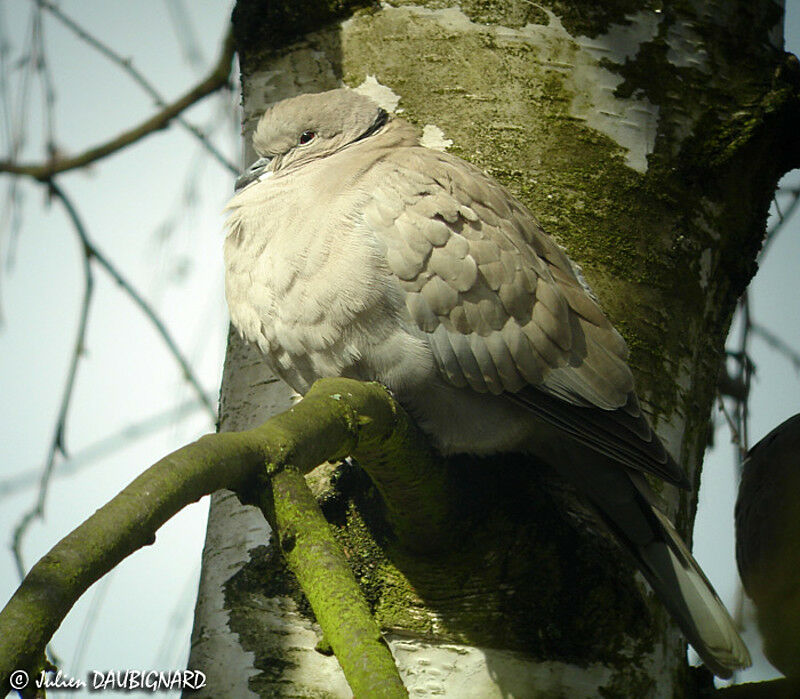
column 503, row 308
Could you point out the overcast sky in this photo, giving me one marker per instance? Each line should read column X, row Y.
column 155, row 211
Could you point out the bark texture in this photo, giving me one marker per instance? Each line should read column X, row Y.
column 648, row 140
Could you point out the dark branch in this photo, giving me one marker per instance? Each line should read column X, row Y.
column 104, row 446
column 149, row 312
column 57, row 440
column 216, row 79
column 127, row 66
column 777, row 344
column 90, row 254
column 783, row 217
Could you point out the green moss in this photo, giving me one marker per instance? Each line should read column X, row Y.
column 583, row 17
column 504, row 12
column 527, row 579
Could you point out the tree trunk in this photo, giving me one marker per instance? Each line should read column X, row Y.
column 648, row 141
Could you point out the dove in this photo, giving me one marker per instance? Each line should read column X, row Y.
column 768, row 541
column 353, row 251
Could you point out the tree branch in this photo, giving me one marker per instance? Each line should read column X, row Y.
column 149, row 312
column 337, row 417
column 127, row 66
column 215, row 79
column 111, row 443
column 57, row 440
column 777, row 344
column 783, row 217
column 320, row 566
column 91, row 253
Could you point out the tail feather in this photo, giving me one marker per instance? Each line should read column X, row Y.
column 623, row 499
column 685, row 591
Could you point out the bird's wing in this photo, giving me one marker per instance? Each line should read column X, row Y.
column 503, row 309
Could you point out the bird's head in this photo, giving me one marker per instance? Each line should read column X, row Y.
column 309, row 127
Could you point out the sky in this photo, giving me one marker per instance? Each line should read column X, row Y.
column 155, row 210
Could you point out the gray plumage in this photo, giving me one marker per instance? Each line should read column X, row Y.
column 768, row 541
column 354, row 251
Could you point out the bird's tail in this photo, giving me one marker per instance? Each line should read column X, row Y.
column 677, row 579
column 623, row 499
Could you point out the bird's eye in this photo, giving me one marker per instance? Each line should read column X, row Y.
column 307, row 137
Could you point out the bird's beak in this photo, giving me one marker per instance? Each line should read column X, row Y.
column 257, row 171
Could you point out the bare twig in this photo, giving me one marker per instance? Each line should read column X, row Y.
column 739, row 425
column 745, row 375
column 91, row 253
column 783, row 217
column 127, row 65
column 15, row 125
column 102, row 447
column 735, row 436
column 42, row 67
column 57, row 441
column 90, row 621
column 216, row 79
column 184, row 32
column 778, row 344
column 143, row 305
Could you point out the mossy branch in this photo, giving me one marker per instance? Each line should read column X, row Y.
column 318, row 562
column 337, row 418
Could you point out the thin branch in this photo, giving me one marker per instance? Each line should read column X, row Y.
column 127, row 65
column 778, row 344
column 783, row 217
column 182, row 26
column 91, row 253
column 216, row 79
column 735, row 437
column 42, row 67
column 134, row 295
column 745, row 375
column 15, row 129
column 102, row 447
column 90, row 623
column 57, row 440
column 171, row 652
column 740, row 429
column 729, row 386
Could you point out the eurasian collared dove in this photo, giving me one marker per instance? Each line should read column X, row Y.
column 354, row 251
column 768, row 541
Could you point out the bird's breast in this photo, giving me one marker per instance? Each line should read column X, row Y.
column 308, row 284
